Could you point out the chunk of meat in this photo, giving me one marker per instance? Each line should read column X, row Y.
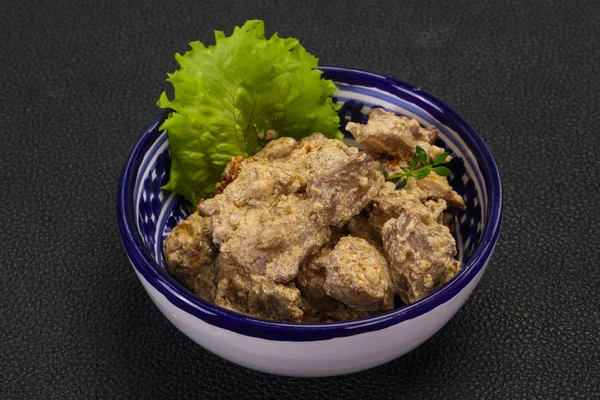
column 340, row 179
column 357, row 275
column 342, row 191
column 260, row 183
column 311, row 277
column 224, row 216
column 437, row 187
column 277, row 149
column 256, row 295
column 274, row 150
column 359, row 226
column 189, row 253
column 315, row 153
column 436, row 208
column 388, row 133
column 390, row 203
column 452, row 268
column 270, row 241
column 420, row 256
column 316, row 139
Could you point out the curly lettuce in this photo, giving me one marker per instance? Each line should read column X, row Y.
column 230, row 98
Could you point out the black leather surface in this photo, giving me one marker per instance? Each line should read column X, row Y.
column 79, row 84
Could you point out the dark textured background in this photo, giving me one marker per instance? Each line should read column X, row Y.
column 79, row 83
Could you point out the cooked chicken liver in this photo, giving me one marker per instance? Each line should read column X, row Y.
column 420, row 256
column 189, row 252
column 254, row 294
column 359, row 226
column 267, row 240
column 387, row 133
column 390, row 203
column 309, row 231
column 357, row 275
column 341, row 192
column 310, row 280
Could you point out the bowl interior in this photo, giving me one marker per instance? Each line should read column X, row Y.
column 157, row 212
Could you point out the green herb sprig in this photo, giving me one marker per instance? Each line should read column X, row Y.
column 420, row 167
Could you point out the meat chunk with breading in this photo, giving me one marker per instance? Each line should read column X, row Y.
column 420, row 256
column 318, row 306
column 398, row 136
column 273, row 150
column 359, row 226
column 340, row 180
column 261, row 183
column 390, row 203
column 189, row 253
column 315, row 153
column 277, row 149
column 311, row 278
column 270, row 241
column 434, row 186
column 357, row 275
column 256, row 295
column 342, row 191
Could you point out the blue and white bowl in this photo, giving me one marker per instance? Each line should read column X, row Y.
column 146, row 214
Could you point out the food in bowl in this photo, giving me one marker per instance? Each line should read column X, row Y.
column 146, row 215
column 312, row 231
column 300, row 228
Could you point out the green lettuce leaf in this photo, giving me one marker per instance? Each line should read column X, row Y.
column 230, row 96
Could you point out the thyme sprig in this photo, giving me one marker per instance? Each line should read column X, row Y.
column 420, row 167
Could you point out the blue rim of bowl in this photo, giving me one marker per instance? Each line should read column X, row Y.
column 183, row 299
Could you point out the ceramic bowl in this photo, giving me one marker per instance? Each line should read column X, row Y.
column 146, row 214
